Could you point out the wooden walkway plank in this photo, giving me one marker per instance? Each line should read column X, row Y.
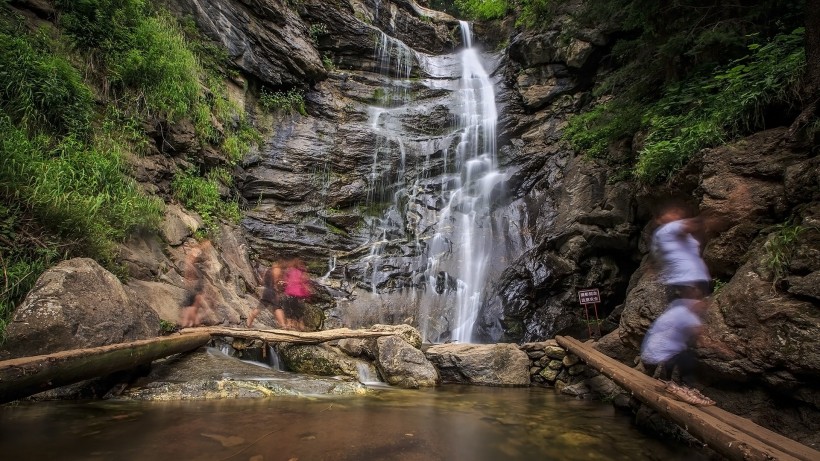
column 25, row 376
column 723, row 436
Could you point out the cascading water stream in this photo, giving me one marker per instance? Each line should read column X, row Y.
column 463, row 230
column 452, row 242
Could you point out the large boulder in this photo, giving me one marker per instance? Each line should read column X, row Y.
column 77, row 304
column 403, row 365
column 484, row 364
column 645, row 301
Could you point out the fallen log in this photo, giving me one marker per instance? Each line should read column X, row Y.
column 721, row 436
column 782, row 443
column 26, row 376
column 288, row 336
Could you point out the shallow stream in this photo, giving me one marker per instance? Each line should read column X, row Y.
column 447, row 423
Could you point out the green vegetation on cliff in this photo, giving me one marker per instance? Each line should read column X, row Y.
column 74, row 100
column 678, row 77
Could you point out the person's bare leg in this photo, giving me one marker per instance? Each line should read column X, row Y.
column 251, row 317
column 198, row 309
column 185, row 318
column 279, row 314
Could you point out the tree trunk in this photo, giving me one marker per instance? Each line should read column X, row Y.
column 811, row 79
column 736, row 440
column 810, row 90
column 288, row 336
column 25, row 376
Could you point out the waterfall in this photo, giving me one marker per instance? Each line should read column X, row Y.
column 464, row 234
column 432, row 231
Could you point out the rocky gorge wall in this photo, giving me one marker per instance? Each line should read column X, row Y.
column 759, row 192
column 571, row 225
column 574, row 225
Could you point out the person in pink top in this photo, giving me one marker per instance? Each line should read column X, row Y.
column 297, row 290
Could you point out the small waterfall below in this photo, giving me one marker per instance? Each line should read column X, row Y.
column 434, row 236
column 367, row 373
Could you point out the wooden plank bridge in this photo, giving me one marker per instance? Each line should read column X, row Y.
column 728, row 434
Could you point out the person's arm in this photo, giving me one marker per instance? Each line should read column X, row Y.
column 691, row 225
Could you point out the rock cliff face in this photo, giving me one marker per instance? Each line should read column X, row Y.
column 569, row 223
column 357, row 186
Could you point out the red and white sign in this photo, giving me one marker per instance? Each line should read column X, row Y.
column 590, row 296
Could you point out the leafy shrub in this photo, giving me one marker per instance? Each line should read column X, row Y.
column 780, row 248
column 327, row 61
column 202, row 195
column 592, row 131
column 705, row 111
column 535, row 13
column 701, row 111
column 483, row 10
column 39, row 90
column 316, row 31
column 281, row 101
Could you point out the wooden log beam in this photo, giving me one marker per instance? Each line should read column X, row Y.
column 288, row 336
column 778, row 441
column 25, row 376
column 719, row 435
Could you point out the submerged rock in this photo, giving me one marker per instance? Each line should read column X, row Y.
column 210, row 374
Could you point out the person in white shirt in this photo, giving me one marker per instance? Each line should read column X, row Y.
column 674, row 246
column 669, row 339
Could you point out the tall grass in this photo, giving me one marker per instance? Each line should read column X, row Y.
column 202, row 194
column 160, row 67
column 80, row 191
column 42, row 91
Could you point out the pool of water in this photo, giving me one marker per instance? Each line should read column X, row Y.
column 446, row 423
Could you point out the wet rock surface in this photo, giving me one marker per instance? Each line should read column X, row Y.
column 210, row 374
column 264, row 38
column 401, row 364
column 482, row 364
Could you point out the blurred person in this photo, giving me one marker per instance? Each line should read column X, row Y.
column 271, row 298
column 297, row 290
column 675, row 248
column 669, row 340
column 195, row 301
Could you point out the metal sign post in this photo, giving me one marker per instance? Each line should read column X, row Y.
column 593, row 297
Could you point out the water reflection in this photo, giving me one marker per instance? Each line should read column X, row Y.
column 449, row 423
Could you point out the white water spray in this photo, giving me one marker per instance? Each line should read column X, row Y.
column 464, row 241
